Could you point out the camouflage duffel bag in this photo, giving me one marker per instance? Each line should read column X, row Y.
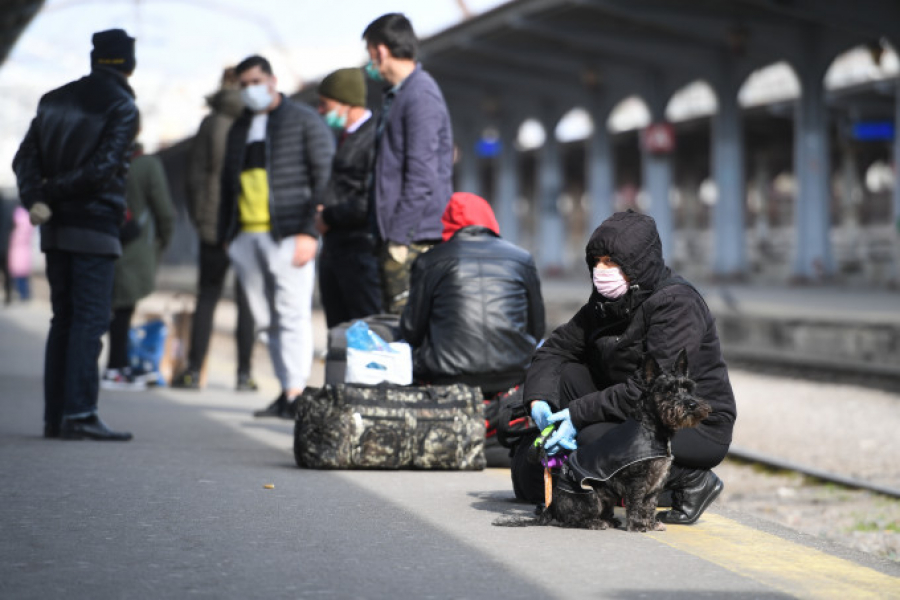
column 351, row 426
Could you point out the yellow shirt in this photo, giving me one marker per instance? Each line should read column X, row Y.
column 253, row 201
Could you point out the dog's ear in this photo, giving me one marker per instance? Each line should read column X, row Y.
column 681, row 364
column 651, row 369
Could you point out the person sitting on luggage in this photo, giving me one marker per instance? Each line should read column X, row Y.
column 585, row 376
column 475, row 311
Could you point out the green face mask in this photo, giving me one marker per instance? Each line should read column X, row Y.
column 373, row 72
column 334, row 120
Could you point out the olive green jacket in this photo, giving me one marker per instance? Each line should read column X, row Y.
column 148, row 199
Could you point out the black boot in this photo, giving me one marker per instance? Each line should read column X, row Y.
column 692, row 493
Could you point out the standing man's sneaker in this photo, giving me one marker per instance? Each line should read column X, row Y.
column 115, row 379
column 290, row 409
column 276, row 409
column 91, row 428
column 246, row 383
column 51, row 430
column 189, row 379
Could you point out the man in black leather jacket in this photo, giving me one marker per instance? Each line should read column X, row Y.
column 475, row 311
column 348, row 270
column 71, row 170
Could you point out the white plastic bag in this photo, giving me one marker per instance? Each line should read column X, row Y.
column 371, row 367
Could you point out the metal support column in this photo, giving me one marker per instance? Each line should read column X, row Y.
column 813, row 258
column 506, row 184
column 601, row 170
column 468, row 165
column 728, row 168
column 551, row 239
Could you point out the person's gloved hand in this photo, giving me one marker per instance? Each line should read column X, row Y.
column 564, row 436
column 40, row 213
column 540, row 414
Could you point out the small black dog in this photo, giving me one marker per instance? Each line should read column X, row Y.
column 631, row 461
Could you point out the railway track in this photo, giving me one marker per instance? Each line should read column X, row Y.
column 751, row 456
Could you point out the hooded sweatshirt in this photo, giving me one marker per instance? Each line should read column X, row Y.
column 660, row 314
column 475, row 311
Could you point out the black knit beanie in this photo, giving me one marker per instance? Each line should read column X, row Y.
column 347, row 86
column 115, row 49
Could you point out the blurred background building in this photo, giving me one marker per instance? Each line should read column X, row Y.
column 759, row 133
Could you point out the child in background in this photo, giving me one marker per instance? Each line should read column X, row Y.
column 19, row 259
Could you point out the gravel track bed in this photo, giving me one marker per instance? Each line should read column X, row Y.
column 845, row 428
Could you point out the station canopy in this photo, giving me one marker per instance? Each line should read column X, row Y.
column 573, row 49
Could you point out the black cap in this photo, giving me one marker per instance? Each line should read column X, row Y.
column 115, row 49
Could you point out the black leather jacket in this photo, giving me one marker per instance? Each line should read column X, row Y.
column 75, row 155
column 475, row 311
column 346, row 199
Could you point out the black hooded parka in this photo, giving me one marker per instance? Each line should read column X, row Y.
column 660, row 314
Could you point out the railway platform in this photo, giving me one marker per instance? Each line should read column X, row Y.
column 182, row 511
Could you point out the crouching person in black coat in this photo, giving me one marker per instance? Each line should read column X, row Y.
column 475, row 311
column 587, row 371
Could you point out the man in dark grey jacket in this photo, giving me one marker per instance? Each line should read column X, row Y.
column 414, row 156
column 277, row 165
column 71, row 170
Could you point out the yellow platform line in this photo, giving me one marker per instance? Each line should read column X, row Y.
column 776, row 562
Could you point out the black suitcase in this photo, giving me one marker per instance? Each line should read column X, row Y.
column 386, row 326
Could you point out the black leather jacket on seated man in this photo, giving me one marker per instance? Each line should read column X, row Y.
column 475, row 311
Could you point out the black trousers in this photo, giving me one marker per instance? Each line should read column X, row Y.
column 348, row 281
column 118, row 337
column 213, row 269
column 690, row 450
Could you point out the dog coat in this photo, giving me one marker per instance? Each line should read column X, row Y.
column 625, row 444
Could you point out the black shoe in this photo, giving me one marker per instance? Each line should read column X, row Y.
column 691, row 495
column 187, row 380
column 51, row 430
column 290, row 409
column 91, row 428
column 276, row 409
column 246, row 383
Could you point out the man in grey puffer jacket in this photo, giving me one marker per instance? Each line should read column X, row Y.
column 275, row 173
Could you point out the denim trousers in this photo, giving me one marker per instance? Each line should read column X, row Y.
column 81, row 298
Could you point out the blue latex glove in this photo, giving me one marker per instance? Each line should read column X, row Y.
column 564, row 436
column 540, row 414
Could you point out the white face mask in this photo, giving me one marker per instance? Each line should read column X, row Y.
column 256, row 97
column 610, row 283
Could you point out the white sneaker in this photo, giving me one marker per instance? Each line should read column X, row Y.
column 114, row 379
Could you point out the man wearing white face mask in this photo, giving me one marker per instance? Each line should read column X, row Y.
column 585, row 377
column 276, row 167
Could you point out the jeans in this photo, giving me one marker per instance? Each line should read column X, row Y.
column 213, row 269
column 81, row 297
column 118, row 338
